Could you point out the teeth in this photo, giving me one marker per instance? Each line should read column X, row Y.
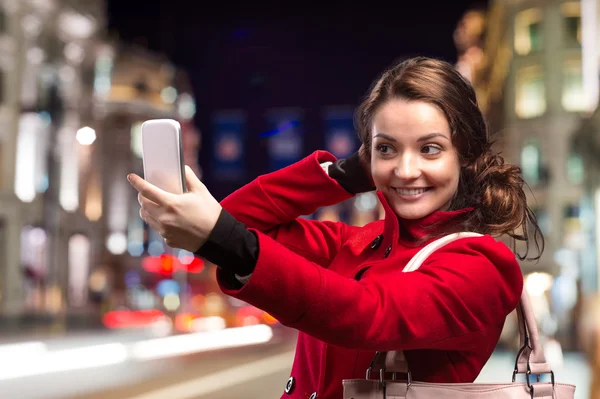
column 410, row 192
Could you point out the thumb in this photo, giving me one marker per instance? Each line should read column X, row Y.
column 193, row 183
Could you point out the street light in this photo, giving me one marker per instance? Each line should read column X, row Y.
column 86, row 135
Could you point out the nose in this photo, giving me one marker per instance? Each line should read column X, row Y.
column 408, row 168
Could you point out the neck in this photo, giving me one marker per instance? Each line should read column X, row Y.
column 414, row 231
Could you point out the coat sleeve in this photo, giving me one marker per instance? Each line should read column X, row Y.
column 273, row 203
column 462, row 289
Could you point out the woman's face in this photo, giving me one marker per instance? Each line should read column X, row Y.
column 413, row 161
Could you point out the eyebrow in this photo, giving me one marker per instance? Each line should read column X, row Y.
column 422, row 138
column 432, row 135
column 385, row 136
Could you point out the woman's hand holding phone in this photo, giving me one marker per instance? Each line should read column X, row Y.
column 184, row 220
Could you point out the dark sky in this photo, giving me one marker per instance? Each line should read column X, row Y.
column 255, row 56
column 332, row 52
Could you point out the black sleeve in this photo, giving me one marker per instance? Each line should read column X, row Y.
column 231, row 246
column 350, row 174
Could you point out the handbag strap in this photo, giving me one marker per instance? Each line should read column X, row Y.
column 530, row 358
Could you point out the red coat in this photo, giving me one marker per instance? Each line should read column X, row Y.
column 447, row 316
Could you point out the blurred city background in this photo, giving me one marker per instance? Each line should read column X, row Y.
column 92, row 303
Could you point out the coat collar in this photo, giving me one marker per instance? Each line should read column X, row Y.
column 405, row 231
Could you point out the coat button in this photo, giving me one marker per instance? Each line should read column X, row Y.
column 377, row 242
column 387, row 252
column 313, row 396
column 290, row 385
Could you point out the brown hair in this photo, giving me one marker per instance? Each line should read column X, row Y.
column 494, row 189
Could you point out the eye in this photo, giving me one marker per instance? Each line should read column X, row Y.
column 384, row 149
column 431, row 149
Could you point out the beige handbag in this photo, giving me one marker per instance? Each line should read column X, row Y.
column 530, row 362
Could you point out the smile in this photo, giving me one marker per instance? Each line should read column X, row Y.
column 411, row 192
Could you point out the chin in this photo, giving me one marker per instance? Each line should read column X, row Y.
column 410, row 211
column 410, row 214
column 415, row 209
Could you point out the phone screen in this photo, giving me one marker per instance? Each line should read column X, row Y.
column 163, row 155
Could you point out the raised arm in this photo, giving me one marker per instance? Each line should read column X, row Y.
column 299, row 189
column 273, row 203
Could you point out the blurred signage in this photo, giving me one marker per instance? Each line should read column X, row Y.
column 166, row 287
column 340, row 137
column 166, row 264
column 285, row 137
column 229, row 135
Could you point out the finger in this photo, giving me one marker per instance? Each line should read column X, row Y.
column 151, row 221
column 148, row 190
column 193, row 183
column 150, row 206
column 140, row 197
column 169, row 243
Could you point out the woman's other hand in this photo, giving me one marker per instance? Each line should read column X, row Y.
column 365, row 162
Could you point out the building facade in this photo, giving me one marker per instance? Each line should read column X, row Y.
column 47, row 58
column 70, row 106
column 534, row 65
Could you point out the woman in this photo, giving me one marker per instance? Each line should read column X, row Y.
column 426, row 149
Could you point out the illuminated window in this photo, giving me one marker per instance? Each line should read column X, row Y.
column 69, row 170
column 531, row 162
column 31, row 174
column 575, row 169
column 118, row 202
column 573, row 94
column 34, row 249
column 571, row 12
column 34, row 255
column 79, row 267
column 528, row 31
column 530, row 92
column 93, row 197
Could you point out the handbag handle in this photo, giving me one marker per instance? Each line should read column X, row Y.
column 530, row 358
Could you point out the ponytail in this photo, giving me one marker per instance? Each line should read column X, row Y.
column 495, row 190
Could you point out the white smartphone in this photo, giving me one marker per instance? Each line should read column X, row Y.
column 162, row 155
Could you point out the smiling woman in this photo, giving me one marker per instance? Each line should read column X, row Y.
column 414, row 164
column 426, row 149
column 442, row 146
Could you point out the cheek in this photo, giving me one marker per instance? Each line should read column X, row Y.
column 445, row 175
column 381, row 172
column 442, row 173
column 452, row 177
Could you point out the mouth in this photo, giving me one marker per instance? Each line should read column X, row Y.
column 411, row 193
